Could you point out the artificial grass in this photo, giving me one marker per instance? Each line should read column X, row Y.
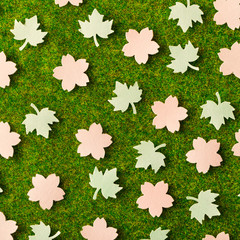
column 34, row 83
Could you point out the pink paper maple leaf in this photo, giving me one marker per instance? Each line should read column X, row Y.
column 46, row 190
column 228, row 12
column 7, row 140
column 204, row 154
column 99, row 231
column 93, row 141
column 140, row 45
column 168, row 114
column 155, row 198
column 6, row 68
column 236, row 147
column 7, row 227
column 220, row 236
column 72, row 73
column 231, row 60
column 62, row 3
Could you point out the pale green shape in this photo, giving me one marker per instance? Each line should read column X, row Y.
column 126, row 96
column 42, row 232
column 186, row 14
column 150, row 156
column 204, row 205
column 158, row 234
column 1, row 191
column 40, row 121
column 105, row 183
column 28, row 31
column 183, row 57
column 217, row 112
column 96, row 26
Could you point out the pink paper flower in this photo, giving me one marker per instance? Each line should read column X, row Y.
column 93, row 141
column 228, row 12
column 168, row 114
column 99, row 231
column 72, row 73
column 155, row 198
column 7, row 140
column 231, row 60
column 6, row 68
column 220, row 236
column 204, row 154
column 7, row 228
column 62, row 3
column 236, row 147
column 46, row 190
column 140, row 45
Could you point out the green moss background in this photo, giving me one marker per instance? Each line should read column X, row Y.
column 34, row 83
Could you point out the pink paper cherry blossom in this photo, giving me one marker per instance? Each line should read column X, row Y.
column 140, row 45
column 7, row 227
column 7, row 140
column 236, row 147
column 6, row 68
column 204, row 154
column 46, row 190
column 72, row 73
column 168, row 114
column 62, row 3
column 220, row 236
column 228, row 12
column 93, row 141
column 99, row 231
column 155, row 198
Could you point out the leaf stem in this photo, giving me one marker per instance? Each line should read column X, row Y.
column 95, row 40
column 23, row 46
column 134, row 108
column 160, row 146
column 192, row 198
column 95, row 194
column 54, row 236
column 188, row 3
column 193, row 67
column 35, row 108
column 218, row 98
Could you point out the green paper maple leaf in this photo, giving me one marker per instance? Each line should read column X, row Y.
column 158, row 234
column 217, row 112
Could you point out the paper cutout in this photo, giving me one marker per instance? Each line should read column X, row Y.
column 28, row 32
column 231, row 59
column 72, row 73
column 220, row 236
column 217, row 112
column 93, row 141
column 186, row 14
column 158, row 234
column 150, row 156
column 140, row 45
column 183, row 57
column 99, row 231
column 126, row 96
column 96, row 26
column 228, row 12
column 155, row 198
column 6, row 68
column 40, row 121
column 236, row 147
column 62, row 3
column 204, row 206
column 42, row 232
column 46, row 190
column 105, row 183
column 168, row 114
column 7, row 228
column 204, row 154
column 8, row 139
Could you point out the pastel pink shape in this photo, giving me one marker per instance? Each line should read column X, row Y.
column 7, row 140
column 204, row 154
column 140, row 45
column 168, row 114
column 228, row 12
column 99, row 231
column 62, row 3
column 231, row 60
column 46, row 190
column 6, row 68
column 220, row 236
column 93, row 141
column 155, row 198
column 72, row 73
column 236, row 147
column 7, row 227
